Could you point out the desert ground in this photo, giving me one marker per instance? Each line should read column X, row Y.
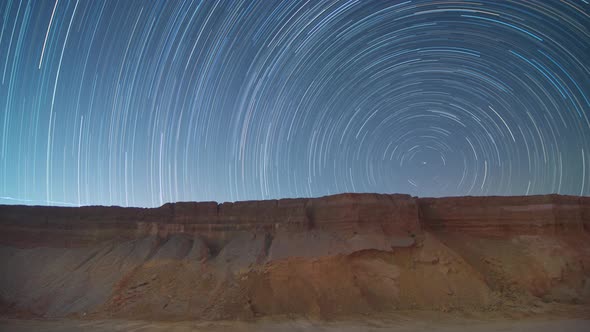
column 403, row 322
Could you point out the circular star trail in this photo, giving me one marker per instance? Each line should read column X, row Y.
column 138, row 103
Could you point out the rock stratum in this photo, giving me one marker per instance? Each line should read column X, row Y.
column 318, row 257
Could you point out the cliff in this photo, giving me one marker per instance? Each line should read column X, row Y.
column 506, row 214
column 66, row 227
column 392, row 215
column 327, row 256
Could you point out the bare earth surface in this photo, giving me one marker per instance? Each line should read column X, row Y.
column 400, row 324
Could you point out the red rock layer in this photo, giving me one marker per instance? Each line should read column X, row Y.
column 505, row 214
column 400, row 215
column 30, row 226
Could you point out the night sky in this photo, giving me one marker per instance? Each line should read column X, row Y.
column 138, row 103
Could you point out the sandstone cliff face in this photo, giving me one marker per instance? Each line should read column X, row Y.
column 502, row 214
column 321, row 257
column 65, row 227
column 391, row 215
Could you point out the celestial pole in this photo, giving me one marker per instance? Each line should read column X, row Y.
column 143, row 102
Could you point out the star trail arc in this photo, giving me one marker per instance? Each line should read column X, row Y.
column 138, row 103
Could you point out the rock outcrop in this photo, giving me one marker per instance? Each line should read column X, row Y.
column 505, row 214
column 321, row 257
column 30, row 226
